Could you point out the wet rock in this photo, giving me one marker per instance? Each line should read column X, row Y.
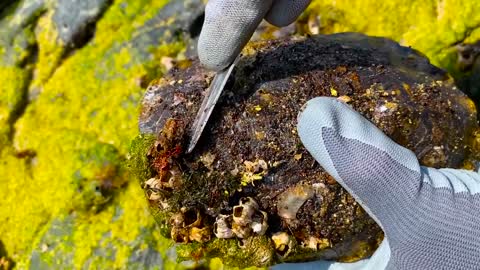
column 424, row 27
column 467, row 73
column 91, row 99
column 254, row 151
column 73, row 19
column 76, row 169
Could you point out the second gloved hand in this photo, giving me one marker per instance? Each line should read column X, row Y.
column 229, row 25
column 430, row 216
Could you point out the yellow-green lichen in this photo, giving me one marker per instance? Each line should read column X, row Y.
column 79, row 128
column 431, row 27
column 50, row 50
column 13, row 83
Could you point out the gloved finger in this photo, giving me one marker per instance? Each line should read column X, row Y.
column 228, row 26
column 460, row 181
column 375, row 170
column 285, row 12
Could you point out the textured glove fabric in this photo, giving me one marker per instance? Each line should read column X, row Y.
column 229, row 24
column 430, row 217
column 285, row 12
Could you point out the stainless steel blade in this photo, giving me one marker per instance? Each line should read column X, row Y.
column 208, row 104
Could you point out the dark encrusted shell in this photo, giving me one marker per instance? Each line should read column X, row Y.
column 396, row 88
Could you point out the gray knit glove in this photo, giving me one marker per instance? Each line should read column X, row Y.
column 431, row 217
column 229, row 24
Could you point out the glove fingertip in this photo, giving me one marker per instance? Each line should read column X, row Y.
column 228, row 26
column 316, row 114
column 214, row 60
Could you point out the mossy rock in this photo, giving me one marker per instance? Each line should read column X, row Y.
column 249, row 177
column 433, row 28
column 66, row 195
column 70, row 86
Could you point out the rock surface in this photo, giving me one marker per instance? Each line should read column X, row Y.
column 66, row 200
column 59, row 94
column 250, row 177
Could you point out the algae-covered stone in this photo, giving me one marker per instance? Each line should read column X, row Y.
column 435, row 28
column 72, row 74
column 250, row 177
column 77, row 107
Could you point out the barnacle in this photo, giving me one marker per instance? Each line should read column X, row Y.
column 247, row 220
column 152, row 183
column 200, row 235
column 242, row 214
column 180, row 235
column 188, row 225
column 316, row 243
column 260, row 222
column 152, row 189
column 241, row 231
column 222, row 228
column 171, row 178
column 284, row 243
column 281, row 186
column 253, row 171
column 292, row 199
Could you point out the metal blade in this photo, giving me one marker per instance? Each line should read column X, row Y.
column 209, row 102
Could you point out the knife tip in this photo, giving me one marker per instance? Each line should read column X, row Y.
column 190, row 148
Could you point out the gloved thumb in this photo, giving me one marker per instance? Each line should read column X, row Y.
column 368, row 164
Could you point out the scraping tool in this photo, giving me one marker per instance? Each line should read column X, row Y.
column 209, row 102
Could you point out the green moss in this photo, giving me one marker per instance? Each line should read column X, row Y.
column 253, row 250
column 137, row 162
column 120, row 237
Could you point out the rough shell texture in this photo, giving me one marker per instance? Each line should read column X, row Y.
column 250, row 147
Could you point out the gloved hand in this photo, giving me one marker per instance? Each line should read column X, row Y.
column 431, row 217
column 229, row 24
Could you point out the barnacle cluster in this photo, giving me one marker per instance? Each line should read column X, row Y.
column 168, row 176
column 195, row 197
column 246, row 220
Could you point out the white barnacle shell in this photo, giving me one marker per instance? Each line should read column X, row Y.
column 241, row 231
column 243, row 213
column 152, row 183
column 222, row 228
column 292, row 199
column 248, row 201
column 284, row 243
column 260, row 223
